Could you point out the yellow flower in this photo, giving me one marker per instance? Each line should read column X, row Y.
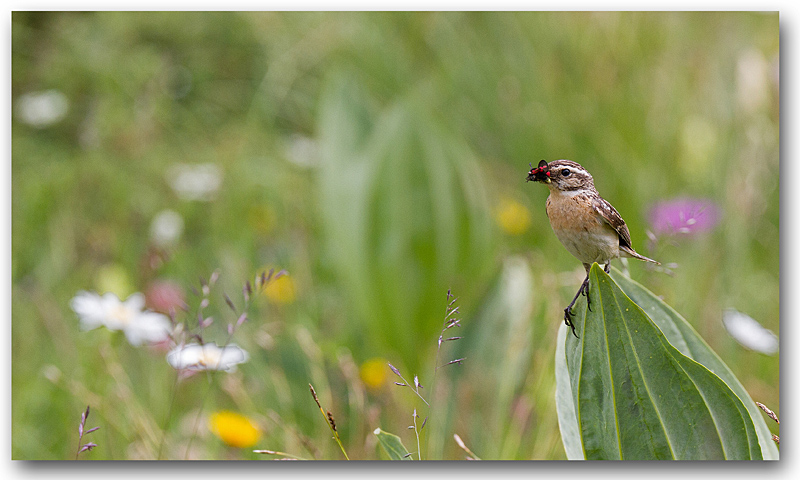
column 512, row 216
column 374, row 373
column 234, row 429
column 281, row 290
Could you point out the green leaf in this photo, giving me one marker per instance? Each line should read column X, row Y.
column 685, row 338
column 636, row 397
column 392, row 445
column 565, row 407
column 404, row 214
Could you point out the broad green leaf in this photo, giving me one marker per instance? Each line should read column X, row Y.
column 637, row 397
column 404, row 215
column 686, row 339
column 565, row 407
column 392, row 445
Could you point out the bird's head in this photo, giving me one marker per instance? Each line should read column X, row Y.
column 562, row 175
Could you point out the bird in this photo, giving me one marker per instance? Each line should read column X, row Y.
column 587, row 225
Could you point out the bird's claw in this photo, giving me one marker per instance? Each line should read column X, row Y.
column 588, row 301
column 568, row 321
column 583, row 290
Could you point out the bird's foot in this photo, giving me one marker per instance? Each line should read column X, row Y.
column 583, row 290
column 568, row 320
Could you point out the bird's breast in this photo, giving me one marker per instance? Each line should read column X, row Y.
column 581, row 229
column 572, row 213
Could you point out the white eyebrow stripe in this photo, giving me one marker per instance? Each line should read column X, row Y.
column 573, row 167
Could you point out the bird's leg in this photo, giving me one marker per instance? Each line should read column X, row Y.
column 606, row 269
column 584, row 289
column 585, row 286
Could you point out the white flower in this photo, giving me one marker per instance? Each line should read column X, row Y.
column 749, row 333
column 42, row 109
column 752, row 80
column 302, row 151
column 91, row 309
column 140, row 326
column 195, row 182
column 166, row 228
column 206, row 357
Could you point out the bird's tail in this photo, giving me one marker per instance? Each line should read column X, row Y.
column 629, row 252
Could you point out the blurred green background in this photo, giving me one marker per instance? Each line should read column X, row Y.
column 380, row 158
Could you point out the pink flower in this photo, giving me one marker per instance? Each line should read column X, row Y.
column 684, row 216
column 165, row 296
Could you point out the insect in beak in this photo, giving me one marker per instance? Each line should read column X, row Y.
column 539, row 174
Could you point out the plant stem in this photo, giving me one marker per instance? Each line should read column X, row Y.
column 199, row 414
column 329, row 420
column 169, row 415
column 416, row 431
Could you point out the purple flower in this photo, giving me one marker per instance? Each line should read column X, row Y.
column 686, row 216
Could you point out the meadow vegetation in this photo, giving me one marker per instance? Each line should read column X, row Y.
column 379, row 159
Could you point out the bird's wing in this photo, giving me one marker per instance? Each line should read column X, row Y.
column 613, row 218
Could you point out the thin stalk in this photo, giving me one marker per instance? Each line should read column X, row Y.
column 280, row 454
column 169, row 415
column 416, row 431
column 329, row 420
column 446, row 324
column 407, row 384
column 199, row 413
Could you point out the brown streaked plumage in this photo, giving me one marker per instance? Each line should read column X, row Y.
column 587, row 225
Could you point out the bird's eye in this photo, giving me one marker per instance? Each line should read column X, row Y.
column 565, row 172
